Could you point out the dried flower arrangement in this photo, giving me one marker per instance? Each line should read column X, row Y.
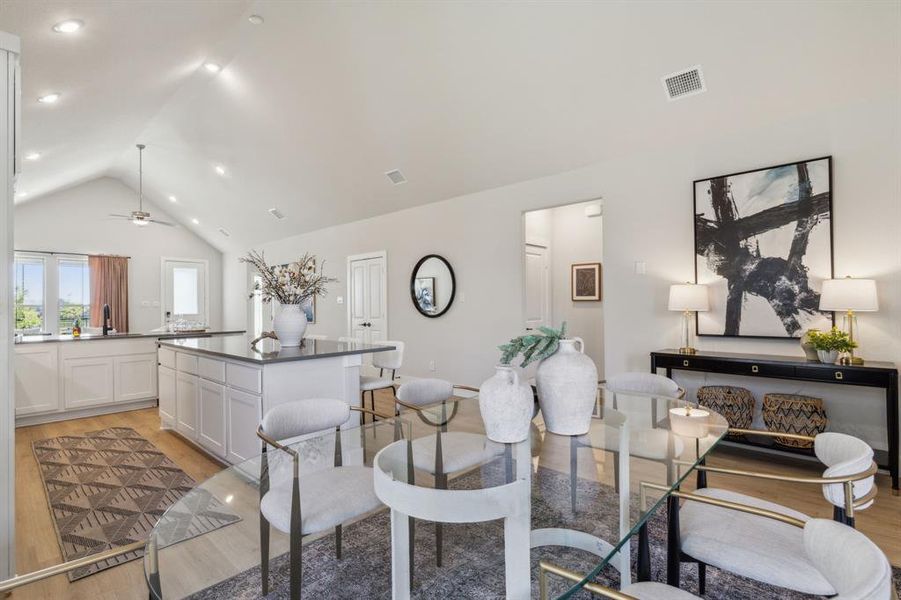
column 292, row 283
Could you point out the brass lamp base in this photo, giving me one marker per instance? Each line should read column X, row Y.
column 850, row 360
column 687, row 350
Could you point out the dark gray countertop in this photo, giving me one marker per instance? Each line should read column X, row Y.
column 42, row 339
column 237, row 347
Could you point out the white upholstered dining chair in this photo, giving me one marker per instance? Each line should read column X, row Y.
column 844, row 561
column 442, row 453
column 390, row 360
column 753, row 546
column 324, row 499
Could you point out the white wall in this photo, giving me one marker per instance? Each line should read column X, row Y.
column 571, row 237
column 647, row 217
column 75, row 220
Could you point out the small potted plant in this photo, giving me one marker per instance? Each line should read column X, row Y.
column 830, row 344
column 292, row 285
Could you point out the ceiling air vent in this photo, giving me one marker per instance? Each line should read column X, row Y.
column 396, row 177
column 224, row 232
column 684, row 83
column 276, row 213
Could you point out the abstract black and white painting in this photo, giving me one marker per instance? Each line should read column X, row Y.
column 763, row 245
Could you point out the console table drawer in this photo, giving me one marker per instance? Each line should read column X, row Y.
column 764, row 370
column 840, row 374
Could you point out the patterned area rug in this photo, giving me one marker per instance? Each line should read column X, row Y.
column 108, row 488
column 474, row 554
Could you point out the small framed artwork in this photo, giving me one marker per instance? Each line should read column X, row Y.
column 425, row 293
column 309, row 308
column 586, row 282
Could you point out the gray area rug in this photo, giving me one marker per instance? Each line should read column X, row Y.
column 474, row 555
column 109, row 488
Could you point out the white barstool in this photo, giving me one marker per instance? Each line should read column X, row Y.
column 390, row 360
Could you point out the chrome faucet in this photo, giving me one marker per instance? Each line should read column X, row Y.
column 107, row 319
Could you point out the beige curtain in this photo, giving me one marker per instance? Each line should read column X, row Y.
column 109, row 285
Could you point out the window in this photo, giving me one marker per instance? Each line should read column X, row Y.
column 185, row 290
column 74, row 293
column 29, row 294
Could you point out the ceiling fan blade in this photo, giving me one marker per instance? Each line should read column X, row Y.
column 120, row 216
column 158, row 222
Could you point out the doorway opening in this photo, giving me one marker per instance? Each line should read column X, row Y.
column 562, row 258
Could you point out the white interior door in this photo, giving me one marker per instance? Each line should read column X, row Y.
column 537, row 287
column 185, row 290
column 367, row 306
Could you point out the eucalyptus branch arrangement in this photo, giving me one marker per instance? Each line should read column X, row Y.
column 834, row 339
column 533, row 346
column 292, row 283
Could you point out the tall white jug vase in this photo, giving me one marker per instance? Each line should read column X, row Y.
column 506, row 402
column 567, row 388
column 290, row 324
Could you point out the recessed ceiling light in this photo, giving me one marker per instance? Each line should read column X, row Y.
column 212, row 67
column 220, row 169
column 49, row 98
column 32, row 156
column 396, row 177
column 173, row 199
column 68, row 26
column 255, row 19
column 195, row 221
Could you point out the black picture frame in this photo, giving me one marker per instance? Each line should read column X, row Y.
column 698, row 256
column 453, row 292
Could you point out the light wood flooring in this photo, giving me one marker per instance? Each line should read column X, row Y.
column 37, row 547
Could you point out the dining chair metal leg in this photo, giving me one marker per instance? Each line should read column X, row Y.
column 643, row 570
column 702, row 578
column 296, row 548
column 573, row 470
column 264, row 553
column 673, row 542
column 440, row 483
column 338, row 542
column 615, row 471
column 411, row 477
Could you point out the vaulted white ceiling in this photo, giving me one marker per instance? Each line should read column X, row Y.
column 314, row 105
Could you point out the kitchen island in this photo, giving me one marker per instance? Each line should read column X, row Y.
column 61, row 377
column 214, row 391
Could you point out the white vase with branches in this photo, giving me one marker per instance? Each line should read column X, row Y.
column 291, row 285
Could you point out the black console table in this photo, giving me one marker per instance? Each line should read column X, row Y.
column 883, row 375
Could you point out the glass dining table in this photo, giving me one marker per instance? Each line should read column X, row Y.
column 464, row 516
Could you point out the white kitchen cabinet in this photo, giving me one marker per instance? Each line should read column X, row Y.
column 244, row 414
column 186, row 392
column 88, row 381
column 135, row 377
column 37, row 379
column 212, row 425
column 168, row 404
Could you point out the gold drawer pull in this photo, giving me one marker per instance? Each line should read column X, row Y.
column 684, row 363
column 755, row 369
column 839, row 375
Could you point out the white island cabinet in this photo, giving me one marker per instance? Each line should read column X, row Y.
column 214, row 391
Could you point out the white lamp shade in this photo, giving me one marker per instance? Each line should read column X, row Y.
column 688, row 296
column 849, row 294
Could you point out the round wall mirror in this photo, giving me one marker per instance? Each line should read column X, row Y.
column 432, row 285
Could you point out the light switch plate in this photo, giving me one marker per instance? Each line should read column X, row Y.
column 641, row 268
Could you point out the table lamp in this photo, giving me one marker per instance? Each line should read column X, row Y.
column 850, row 296
column 688, row 298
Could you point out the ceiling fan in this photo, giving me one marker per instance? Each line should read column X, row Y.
column 140, row 217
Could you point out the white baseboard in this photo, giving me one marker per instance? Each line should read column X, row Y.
column 84, row 412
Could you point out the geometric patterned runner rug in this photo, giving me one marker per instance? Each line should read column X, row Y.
column 108, row 488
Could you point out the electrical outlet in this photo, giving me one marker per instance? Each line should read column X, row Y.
column 432, row 366
column 641, row 268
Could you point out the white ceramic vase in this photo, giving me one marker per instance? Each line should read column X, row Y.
column 290, row 324
column 506, row 406
column 567, row 388
column 828, row 356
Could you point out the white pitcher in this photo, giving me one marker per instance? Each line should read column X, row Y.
column 567, row 388
column 506, row 406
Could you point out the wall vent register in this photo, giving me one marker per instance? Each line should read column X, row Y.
column 684, row 83
column 396, row 177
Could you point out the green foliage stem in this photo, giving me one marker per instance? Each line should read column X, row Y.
column 533, row 346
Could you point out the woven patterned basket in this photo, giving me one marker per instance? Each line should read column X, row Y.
column 791, row 413
column 736, row 404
